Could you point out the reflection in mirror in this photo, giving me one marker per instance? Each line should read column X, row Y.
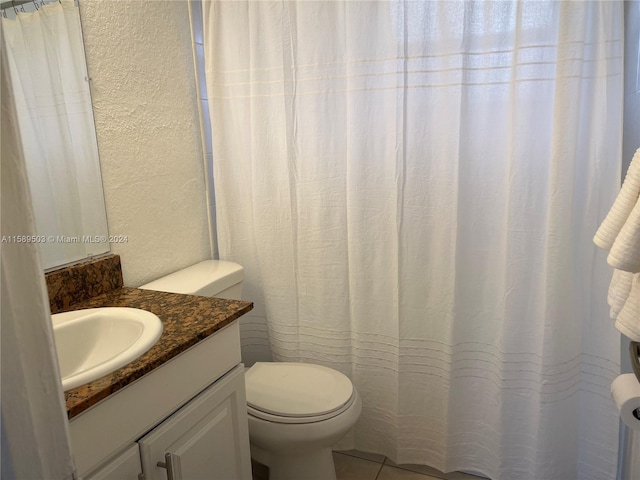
column 51, row 88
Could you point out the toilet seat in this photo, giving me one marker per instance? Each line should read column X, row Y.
column 296, row 393
column 254, row 412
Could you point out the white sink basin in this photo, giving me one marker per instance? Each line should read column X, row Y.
column 94, row 342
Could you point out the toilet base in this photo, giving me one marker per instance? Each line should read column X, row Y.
column 314, row 465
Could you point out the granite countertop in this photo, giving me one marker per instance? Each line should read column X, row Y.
column 186, row 319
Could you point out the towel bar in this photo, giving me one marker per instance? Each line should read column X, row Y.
column 634, row 351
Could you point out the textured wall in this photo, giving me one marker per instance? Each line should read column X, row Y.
column 140, row 62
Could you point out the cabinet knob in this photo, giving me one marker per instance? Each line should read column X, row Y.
column 168, row 465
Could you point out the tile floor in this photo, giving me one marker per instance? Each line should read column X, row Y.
column 355, row 465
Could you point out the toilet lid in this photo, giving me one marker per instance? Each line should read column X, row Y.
column 296, row 389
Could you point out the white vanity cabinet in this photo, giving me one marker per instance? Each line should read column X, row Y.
column 189, row 414
column 123, row 466
column 204, row 439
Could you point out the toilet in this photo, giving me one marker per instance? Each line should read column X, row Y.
column 296, row 411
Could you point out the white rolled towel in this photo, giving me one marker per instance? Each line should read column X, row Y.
column 624, row 204
column 625, row 251
column 619, row 291
column 620, row 233
column 628, row 320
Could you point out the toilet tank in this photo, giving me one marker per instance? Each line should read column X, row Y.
column 211, row 278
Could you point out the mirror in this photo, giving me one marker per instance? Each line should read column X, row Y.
column 50, row 85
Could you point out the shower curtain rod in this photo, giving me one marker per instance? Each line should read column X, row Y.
column 17, row 3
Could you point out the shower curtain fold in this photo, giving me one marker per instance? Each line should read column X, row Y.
column 414, row 206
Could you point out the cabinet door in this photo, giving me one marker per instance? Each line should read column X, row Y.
column 125, row 466
column 208, row 438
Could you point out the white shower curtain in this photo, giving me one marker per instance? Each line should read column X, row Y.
column 51, row 86
column 33, row 418
column 412, row 188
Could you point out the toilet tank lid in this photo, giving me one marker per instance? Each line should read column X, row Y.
column 204, row 278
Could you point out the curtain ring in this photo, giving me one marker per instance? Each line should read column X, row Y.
column 15, row 9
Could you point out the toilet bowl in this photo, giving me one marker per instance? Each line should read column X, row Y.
column 296, row 411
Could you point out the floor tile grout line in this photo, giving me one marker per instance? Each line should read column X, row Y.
column 385, row 462
column 380, row 469
column 400, row 467
column 432, row 475
column 346, row 452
